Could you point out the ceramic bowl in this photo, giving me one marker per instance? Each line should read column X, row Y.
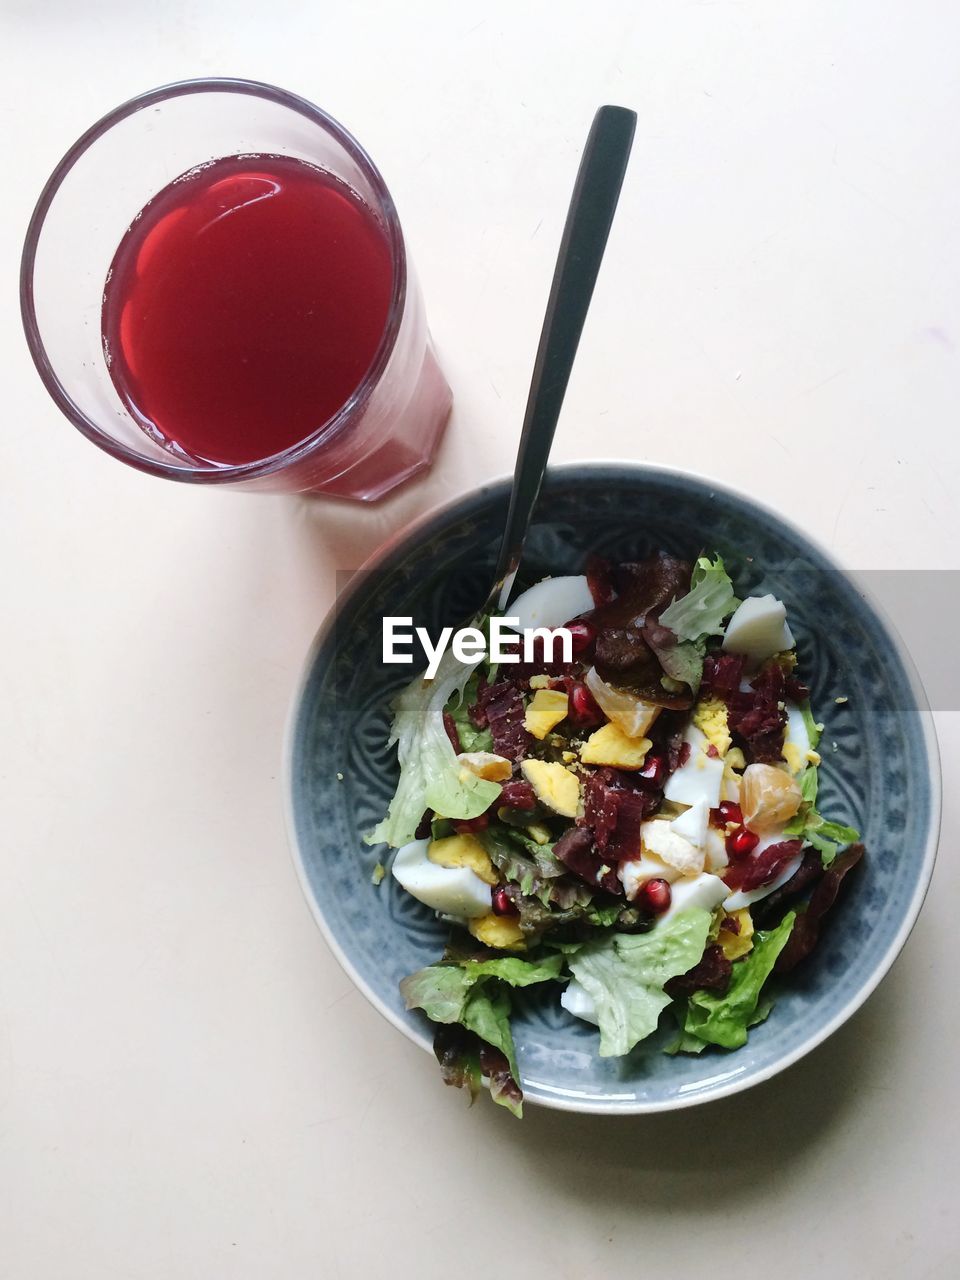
column 880, row 766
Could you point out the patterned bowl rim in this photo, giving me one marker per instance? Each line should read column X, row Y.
column 438, row 515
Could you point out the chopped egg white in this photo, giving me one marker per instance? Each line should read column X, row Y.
column 705, row 890
column 658, row 837
column 486, row 765
column 715, row 849
column 453, row 891
column 576, row 1000
column 796, row 740
column 692, row 824
column 552, row 602
column 758, row 629
column 635, row 872
column 699, row 778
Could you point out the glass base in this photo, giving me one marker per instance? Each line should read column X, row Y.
column 410, row 448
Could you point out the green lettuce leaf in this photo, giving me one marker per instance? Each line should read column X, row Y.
column 624, row 975
column 473, row 994
column 682, row 661
column 701, row 611
column 724, row 1019
column 552, row 898
column 487, row 1015
column 542, row 855
column 796, row 825
column 440, row 990
column 685, row 1042
column 430, row 777
column 763, row 1009
column 533, row 868
column 604, row 914
column 440, row 828
column 813, row 728
column 828, row 838
column 565, row 903
column 471, row 738
column 515, row 971
column 808, row 782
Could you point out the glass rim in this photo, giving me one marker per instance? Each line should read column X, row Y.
column 328, row 430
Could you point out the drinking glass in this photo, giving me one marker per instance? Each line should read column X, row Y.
column 389, row 427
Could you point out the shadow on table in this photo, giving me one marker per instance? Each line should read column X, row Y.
column 336, row 536
column 721, row 1152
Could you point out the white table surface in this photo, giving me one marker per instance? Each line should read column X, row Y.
column 189, row 1085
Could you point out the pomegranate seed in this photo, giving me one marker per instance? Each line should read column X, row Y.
column 654, row 767
column 727, row 811
column 582, row 635
column 583, row 707
column 463, row 826
column 503, row 903
column 741, row 842
column 655, row 896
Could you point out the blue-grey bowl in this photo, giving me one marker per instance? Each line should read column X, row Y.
column 880, row 770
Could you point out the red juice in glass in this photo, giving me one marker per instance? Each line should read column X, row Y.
column 244, row 306
column 257, row 322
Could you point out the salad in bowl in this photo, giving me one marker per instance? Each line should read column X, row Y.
column 634, row 821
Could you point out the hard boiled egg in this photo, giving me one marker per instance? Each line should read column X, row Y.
column 758, row 629
column 715, row 849
column 692, row 824
column 609, row 745
column 552, row 602
column 635, row 872
column 711, row 717
column 699, row 779
column 796, row 740
column 659, row 838
column 577, row 1000
column 554, row 785
column 705, row 891
column 453, row 891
